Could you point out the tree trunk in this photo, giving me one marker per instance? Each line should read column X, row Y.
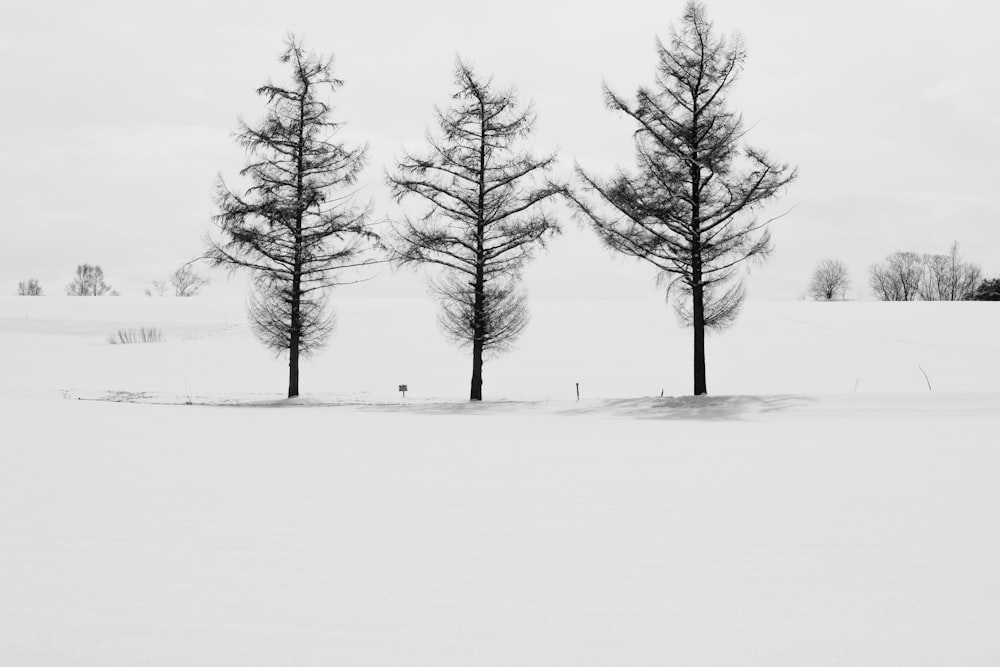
column 478, row 318
column 295, row 332
column 697, row 296
column 698, row 313
column 478, row 334
column 293, row 369
column 476, row 389
column 293, row 341
column 697, row 288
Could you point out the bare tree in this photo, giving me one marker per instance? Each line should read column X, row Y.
column 29, row 287
column 186, row 281
column 689, row 208
column 898, row 278
column 483, row 221
column 948, row 277
column 156, row 288
column 933, row 278
column 89, row 281
column 296, row 227
column 829, row 281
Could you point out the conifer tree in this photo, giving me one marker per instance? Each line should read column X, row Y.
column 688, row 208
column 483, row 219
column 295, row 227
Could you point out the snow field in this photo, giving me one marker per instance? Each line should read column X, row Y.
column 787, row 527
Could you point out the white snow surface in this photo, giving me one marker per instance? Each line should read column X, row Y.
column 822, row 507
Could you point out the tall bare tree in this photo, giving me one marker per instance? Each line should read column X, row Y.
column 688, row 209
column 829, row 281
column 897, row 278
column 482, row 220
column 295, row 227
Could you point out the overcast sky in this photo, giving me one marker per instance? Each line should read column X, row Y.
column 118, row 116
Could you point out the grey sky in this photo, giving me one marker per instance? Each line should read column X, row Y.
column 119, row 115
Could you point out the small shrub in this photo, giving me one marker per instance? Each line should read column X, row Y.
column 30, row 287
column 140, row 335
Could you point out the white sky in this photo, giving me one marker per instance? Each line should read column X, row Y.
column 119, row 115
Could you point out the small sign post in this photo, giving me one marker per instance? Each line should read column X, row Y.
column 578, row 391
column 402, row 388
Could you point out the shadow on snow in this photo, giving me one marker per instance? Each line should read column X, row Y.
column 668, row 408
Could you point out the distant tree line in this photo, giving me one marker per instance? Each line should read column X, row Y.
column 907, row 276
column 89, row 281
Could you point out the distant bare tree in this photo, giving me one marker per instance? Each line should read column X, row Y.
column 934, row 278
column 689, row 208
column 948, row 277
column 29, row 287
column 156, row 288
column 295, row 228
column 483, row 221
column 898, row 278
column 186, row 281
column 89, row 281
column 829, row 281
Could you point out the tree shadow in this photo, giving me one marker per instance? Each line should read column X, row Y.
column 708, row 408
column 704, row 408
column 701, row 408
column 499, row 407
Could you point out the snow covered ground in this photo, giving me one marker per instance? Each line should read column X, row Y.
column 821, row 507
